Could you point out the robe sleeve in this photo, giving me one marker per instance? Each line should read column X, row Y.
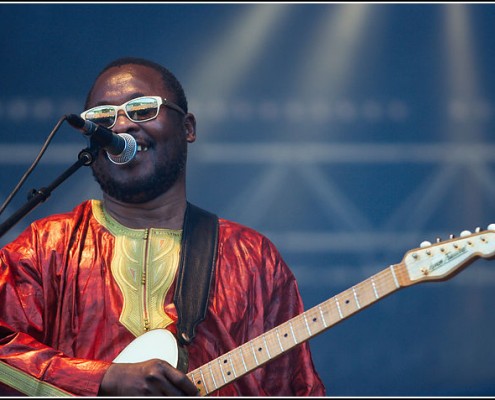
column 27, row 363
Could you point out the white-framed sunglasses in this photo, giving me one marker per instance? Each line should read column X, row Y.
column 140, row 109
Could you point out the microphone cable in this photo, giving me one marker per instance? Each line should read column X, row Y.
column 33, row 165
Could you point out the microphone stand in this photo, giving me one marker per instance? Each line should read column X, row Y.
column 85, row 157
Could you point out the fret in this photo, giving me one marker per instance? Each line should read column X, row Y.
column 266, row 347
column 285, row 335
column 382, row 283
column 242, row 359
column 262, row 352
column 273, row 343
column 292, row 331
column 345, row 301
column 322, row 317
column 315, row 320
column 327, row 312
column 338, row 307
column 203, row 380
column 374, row 288
column 193, row 379
column 279, row 341
column 307, row 325
column 249, row 356
column 254, row 353
column 395, row 278
column 295, row 327
column 221, row 370
column 356, row 298
column 212, row 376
column 232, row 365
column 363, row 295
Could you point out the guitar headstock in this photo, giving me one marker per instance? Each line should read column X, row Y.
column 443, row 259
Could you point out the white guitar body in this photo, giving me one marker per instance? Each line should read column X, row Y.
column 157, row 343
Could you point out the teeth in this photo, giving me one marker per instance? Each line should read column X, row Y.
column 142, row 148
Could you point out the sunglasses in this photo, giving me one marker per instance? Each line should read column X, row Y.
column 140, row 109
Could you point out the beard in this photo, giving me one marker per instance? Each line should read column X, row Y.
column 165, row 174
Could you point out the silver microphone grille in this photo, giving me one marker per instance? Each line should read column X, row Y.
column 128, row 153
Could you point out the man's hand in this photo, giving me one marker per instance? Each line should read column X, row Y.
column 148, row 378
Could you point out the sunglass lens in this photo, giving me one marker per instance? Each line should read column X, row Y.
column 102, row 115
column 142, row 109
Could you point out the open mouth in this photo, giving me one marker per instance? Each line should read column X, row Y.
column 142, row 148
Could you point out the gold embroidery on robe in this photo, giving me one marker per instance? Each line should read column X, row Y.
column 144, row 265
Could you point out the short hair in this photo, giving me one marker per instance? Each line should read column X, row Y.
column 169, row 79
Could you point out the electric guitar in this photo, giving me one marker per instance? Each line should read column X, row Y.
column 429, row 262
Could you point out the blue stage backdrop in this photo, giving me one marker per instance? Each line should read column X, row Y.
column 347, row 133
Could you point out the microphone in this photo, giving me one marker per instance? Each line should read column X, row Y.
column 120, row 147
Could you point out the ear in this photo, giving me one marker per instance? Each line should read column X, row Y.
column 190, row 127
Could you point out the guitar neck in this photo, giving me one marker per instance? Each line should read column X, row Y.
column 273, row 343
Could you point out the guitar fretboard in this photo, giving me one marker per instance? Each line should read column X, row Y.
column 271, row 344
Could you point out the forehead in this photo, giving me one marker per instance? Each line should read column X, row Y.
column 119, row 84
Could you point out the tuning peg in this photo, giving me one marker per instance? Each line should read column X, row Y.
column 425, row 244
column 478, row 229
column 465, row 233
column 491, row 227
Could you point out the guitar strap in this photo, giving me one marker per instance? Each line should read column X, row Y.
column 196, row 266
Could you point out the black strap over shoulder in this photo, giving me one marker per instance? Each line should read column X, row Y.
column 196, row 266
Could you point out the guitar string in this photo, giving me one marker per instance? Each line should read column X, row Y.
column 323, row 315
column 382, row 282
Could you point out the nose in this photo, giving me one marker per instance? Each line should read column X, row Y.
column 122, row 123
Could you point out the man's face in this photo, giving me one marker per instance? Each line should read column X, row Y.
column 162, row 142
